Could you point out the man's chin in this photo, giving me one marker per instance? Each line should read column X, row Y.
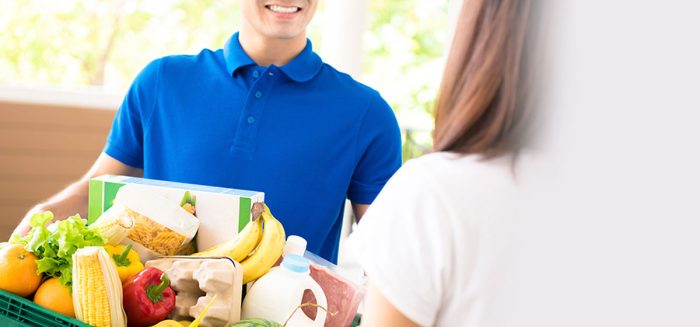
column 284, row 35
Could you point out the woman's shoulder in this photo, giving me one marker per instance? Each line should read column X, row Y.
column 450, row 166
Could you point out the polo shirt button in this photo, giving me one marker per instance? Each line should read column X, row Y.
column 258, row 94
column 256, row 74
column 251, row 119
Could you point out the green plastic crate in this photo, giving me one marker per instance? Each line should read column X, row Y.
column 18, row 311
column 356, row 322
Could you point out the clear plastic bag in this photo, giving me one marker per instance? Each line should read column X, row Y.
column 160, row 226
column 343, row 295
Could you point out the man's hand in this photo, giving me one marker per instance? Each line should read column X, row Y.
column 74, row 198
column 24, row 227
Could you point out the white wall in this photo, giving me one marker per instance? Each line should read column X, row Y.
column 345, row 23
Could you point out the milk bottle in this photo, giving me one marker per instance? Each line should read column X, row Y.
column 278, row 293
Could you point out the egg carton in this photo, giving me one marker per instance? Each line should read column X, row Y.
column 196, row 280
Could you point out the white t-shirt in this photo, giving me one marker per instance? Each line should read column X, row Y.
column 434, row 240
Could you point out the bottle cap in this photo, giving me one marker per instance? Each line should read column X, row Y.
column 295, row 245
column 296, row 263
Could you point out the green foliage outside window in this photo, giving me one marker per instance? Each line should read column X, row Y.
column 404, row 49
column 104, row 44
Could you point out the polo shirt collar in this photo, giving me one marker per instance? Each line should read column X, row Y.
column 301, row 69
column 304, row 66
column 235, row 56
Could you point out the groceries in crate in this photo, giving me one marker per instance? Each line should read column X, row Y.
column 189, row 203
column 114, row 226
column 343, row 295
column 126, row 259
column 257, row 247
column 148, row 298
column 173, row 323
column 161, row 227
column 55, row 244
column 255, row 322
column 277, row 294
column 220, row 209
column 195, row 323
column 53, row 295
column 295, row 245
column 18, row 270
column 97, row 290
column 198, row 281
column 96, row 273
column 239, row 247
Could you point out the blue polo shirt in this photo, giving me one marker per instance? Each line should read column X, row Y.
column 303, row 133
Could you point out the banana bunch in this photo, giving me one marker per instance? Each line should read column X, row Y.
column 257, row 247
column 240, row 246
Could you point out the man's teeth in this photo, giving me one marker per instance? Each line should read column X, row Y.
column 286, row 10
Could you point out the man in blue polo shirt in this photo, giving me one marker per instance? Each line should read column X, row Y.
column 264, row 113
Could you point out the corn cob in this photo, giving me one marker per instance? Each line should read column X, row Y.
column 114, row 228
column 97, row 290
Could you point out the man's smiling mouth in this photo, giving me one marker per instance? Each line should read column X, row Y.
column 283, row 9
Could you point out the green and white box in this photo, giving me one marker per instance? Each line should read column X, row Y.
column 222, row 212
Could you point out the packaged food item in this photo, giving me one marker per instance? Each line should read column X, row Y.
column 343, row 295
column 197, row 280
column 278, row 294
column 221, row 212
column 114, row 225
column 160, row 227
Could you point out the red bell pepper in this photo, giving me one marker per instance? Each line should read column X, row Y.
column 148, row 298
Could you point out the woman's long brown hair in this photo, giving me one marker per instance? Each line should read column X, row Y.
column 483, row 106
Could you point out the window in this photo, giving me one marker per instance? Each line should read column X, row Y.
column 104, row 44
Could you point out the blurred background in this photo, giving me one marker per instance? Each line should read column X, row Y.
column 65, row 66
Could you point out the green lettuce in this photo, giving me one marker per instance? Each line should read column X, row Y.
column 55, row 244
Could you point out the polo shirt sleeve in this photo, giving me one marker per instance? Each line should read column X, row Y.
column 378, row 151
column 125, row 140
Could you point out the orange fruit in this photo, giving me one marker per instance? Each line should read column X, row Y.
column 18, row 270
column 53, row 295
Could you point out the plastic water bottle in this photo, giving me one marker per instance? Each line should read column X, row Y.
column 279, row 292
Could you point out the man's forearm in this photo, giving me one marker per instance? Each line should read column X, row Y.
column 70, row 201
column 66, row 203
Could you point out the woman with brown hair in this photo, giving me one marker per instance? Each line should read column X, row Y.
column 433, row 243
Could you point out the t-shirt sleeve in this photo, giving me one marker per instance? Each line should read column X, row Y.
column 403, row 245
column 125, row 140
column 379, row 152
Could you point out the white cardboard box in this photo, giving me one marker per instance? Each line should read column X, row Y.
column 222, row 212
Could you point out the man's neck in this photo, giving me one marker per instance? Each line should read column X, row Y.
column 265, row 51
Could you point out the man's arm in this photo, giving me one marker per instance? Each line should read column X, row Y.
column 74, row 198
column 379, row 152
column 378, row 311
column 359, row 210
